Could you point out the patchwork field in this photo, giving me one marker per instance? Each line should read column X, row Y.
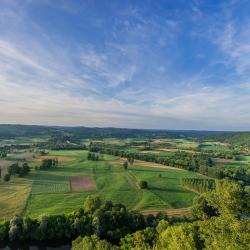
column 81, row 183
column 64, row 188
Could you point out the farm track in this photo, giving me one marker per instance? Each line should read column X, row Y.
column 172, row 212
column 133, row 183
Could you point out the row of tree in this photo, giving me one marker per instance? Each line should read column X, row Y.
column 197, row 162
column 241, row 173
column 198, row 184
column 15, row 169
column 48, row 163
column 93, row 157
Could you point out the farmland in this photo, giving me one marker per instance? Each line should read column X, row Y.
column 113, row 183
column 64, row 188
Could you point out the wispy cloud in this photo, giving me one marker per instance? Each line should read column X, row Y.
column 136, row 73
column 109, row 67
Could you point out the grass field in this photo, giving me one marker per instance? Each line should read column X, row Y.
column 49, row 192
column 13, row 197
column 51, row 189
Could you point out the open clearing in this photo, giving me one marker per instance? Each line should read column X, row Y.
column 81, row 183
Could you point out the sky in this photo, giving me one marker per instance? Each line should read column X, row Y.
column 136, row 64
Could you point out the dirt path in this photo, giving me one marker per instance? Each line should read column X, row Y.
column 172, row 212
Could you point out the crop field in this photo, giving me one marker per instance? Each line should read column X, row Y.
column 49, row 191
column 214, row 146
column 64, row 188
column 13, row 197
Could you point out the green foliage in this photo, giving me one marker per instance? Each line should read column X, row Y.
column 92, row 203
column 3, row 154
column 227, row 198
column 91, row 243
column 143, row 239
column 15, row 228
column 4, row 227
column 201, row 209
column 143, row 184
column 225, row 232
column 6, row 177
column 125, row 165
column 15, row 169
column 183, row 236
column 48, row 163
column 162, row 226
column 93, row 157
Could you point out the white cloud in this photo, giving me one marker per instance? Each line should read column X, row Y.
column 109, row 66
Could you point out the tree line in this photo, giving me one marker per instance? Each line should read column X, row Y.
column 198, row 184
column 16, row 169
column 48, row 163
column 189, row 161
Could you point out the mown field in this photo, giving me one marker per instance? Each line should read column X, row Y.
column 49, row 192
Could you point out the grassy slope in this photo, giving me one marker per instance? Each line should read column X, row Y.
column 13, row 196
column 51, row 193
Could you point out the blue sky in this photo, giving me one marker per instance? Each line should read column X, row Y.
column 136, row 64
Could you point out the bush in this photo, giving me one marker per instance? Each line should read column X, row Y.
column 91, row 243
column 6, row 177
column 143, row 184
column 92, row 203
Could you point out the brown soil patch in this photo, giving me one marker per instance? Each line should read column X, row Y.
column 59, row 158
column 219, row 160
column 150, row 151
column 145, row 164
column 154, row 165
column 170, row 212
column 81, row 183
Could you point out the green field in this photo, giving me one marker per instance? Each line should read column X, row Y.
column 51, row 194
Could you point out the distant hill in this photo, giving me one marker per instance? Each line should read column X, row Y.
column 236, row 138
column 12, row 131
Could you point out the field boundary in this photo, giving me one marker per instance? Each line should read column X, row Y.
column 148, row 164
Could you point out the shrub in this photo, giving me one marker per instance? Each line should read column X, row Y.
column 92, row 203
column 6, row 177
column 143, row 184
